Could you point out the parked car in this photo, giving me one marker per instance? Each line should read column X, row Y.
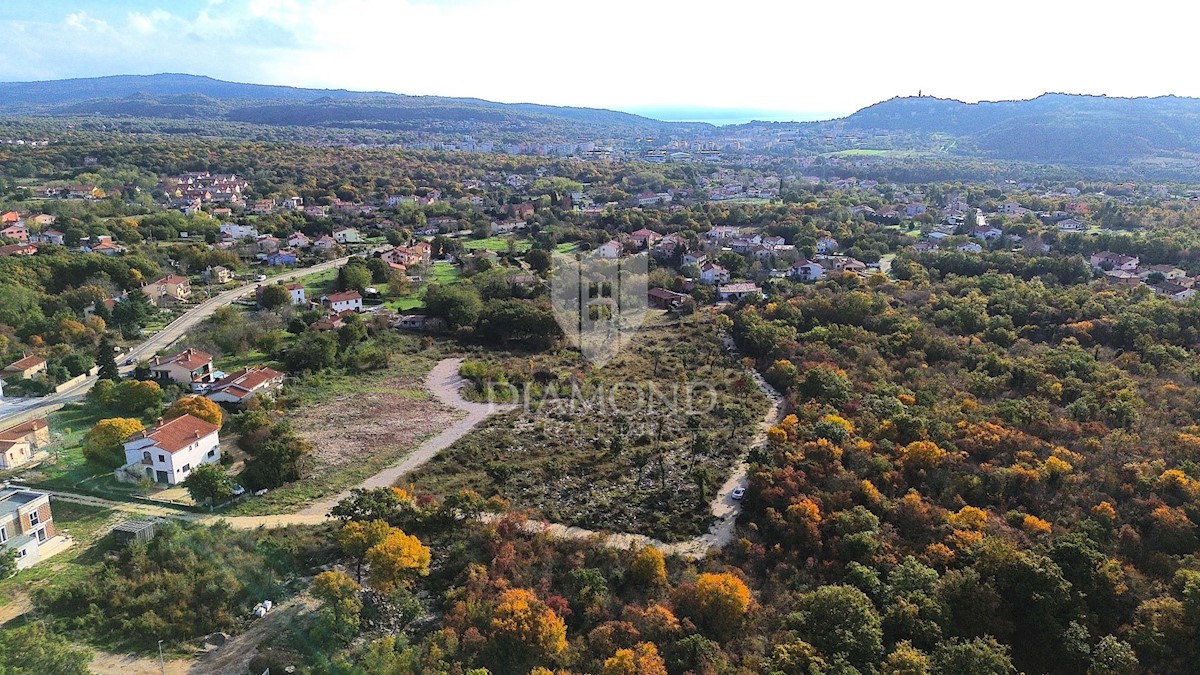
column 738, row 493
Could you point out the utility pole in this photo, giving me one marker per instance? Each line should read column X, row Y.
column 162, row 667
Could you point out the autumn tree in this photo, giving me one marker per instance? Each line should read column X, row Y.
column 339, row 618
column 717, row 601
column 649, row 568
column 643, row 659
column 524, row 629
column 104, row 445
column 396, row 560
column 196, row 406
column 357, row 538
column 138, row 397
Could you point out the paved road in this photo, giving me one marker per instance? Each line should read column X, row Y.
column 17, row 413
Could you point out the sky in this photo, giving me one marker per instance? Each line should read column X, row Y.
column 778, row 60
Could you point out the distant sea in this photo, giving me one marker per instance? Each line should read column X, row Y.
column 727, row 116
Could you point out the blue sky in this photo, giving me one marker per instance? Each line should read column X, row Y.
column 784, row 57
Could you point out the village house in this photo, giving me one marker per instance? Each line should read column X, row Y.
column 51, row 236
column 168, row 452
column 1168, row 273
column 645, row 238
column 237, row 389
column 1176, row 292
column 26, row 524
column 281, row 258
column 987, row 233
column 325, row 243
column 298, row 240
column 168, row 289
column 235, row 231
column 344, row 301
column 736, row 292
column 218, row 275
column 608, row 250
column 970, row 247
column 507, row 227
column 191, row 368
column 20, row 444
column 17, row 250
column 805, row 270
column 712, row 274
column 1071, row 225
column 16, row 231
column 661, row 298
column 26, row 367
column 694, row 258
column 1107, row 260
column 414, row 322
column 346, row 235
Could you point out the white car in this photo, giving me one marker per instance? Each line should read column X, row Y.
column 261, row 277
column 738, row 493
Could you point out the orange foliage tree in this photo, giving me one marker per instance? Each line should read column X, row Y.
column 396, row 560
column 196, row 406
column 643, row 659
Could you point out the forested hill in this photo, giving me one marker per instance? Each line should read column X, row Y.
column 176, row 96
column 1054, row 128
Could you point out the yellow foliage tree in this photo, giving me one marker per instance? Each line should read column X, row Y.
column 649, row 568
column 721, row 600
column 1035, row 525
column 968, row 518
column 357, row 538
column 921, row 455
column 396, row 560
column 196, row 406
column 523, row 622
column 643, row 659
column 105, row 443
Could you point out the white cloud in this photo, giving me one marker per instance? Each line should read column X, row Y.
column 144, row 24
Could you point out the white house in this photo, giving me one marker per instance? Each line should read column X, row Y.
column 346, row 235
column 712, row 273
column 26, row 523
column 297, row 293
column 168, row 451
column 970, row 247
column 610, row 250
column 190, row 367
column 340, row 302
column 694, row 258
column 235, row 231
column 805, row 270
column 987, row 233
column 299, row 240
column 1072, row 225
column 827, row 245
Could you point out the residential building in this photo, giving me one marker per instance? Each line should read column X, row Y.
column 170, row 450
column 16, row 231
column 26, row 367
column 190, row 368
column 240, row 387
column 17, row 250
column 1071, row 225
column 168, row 289
column 1107, row 260
column 609, row 250
column 218, row 275
column 346, row 235
column 235, row 231
column 26, row 524
column 661, row 298
column 341, row 302
column 735, row 292
column 645, row 238
column 51, row 236
column 712, row 274
column 281, row 258
column 827, row 245
column 19, row 444
column 805, row 270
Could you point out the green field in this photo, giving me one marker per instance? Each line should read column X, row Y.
column 85, row 524
column 442, row 273
column 498, row 244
